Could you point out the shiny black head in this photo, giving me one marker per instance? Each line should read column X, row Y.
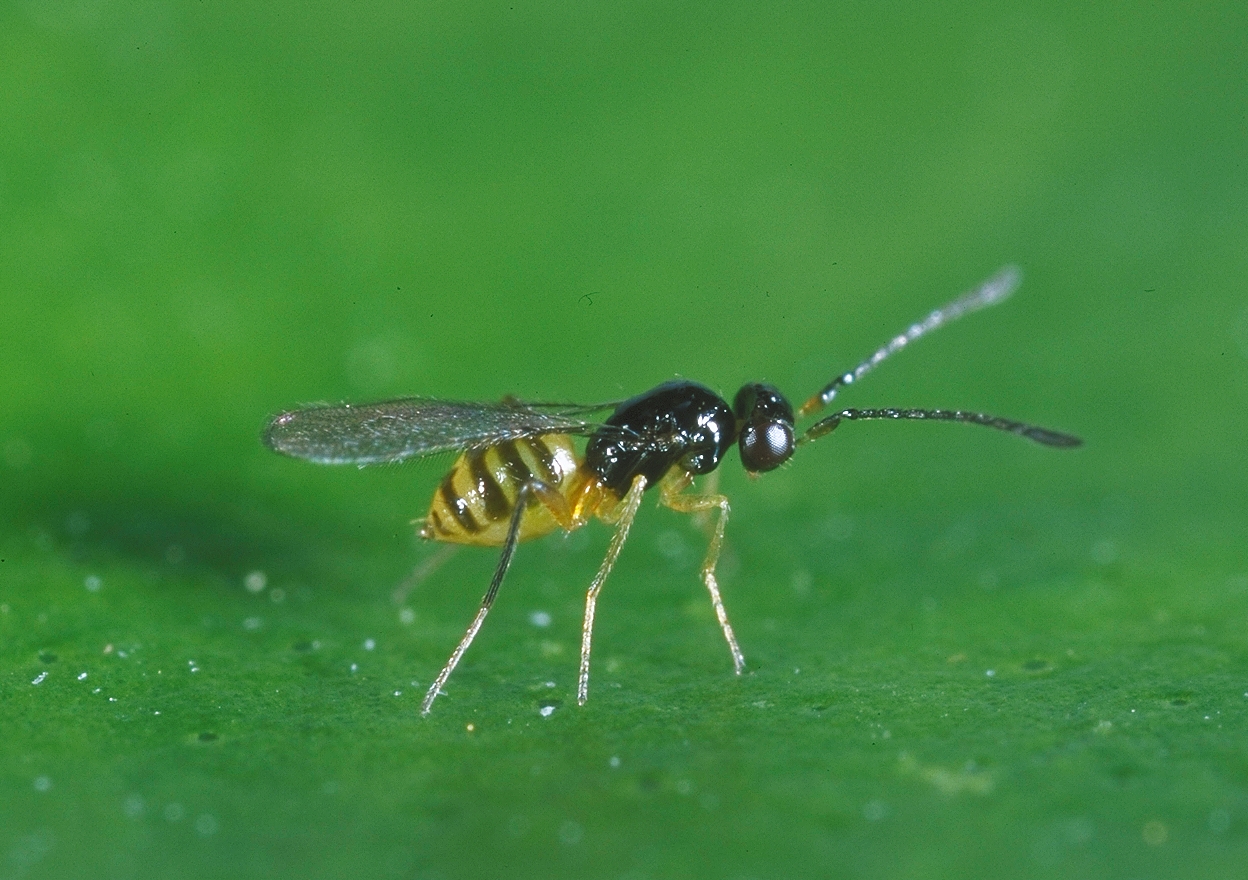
column 677, row 423
column 765, row 421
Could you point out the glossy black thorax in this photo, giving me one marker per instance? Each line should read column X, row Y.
column 676, row 423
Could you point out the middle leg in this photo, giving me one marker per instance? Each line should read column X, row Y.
column 623, row 517
column 671, row 494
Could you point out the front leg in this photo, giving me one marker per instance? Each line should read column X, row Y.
column 671, row 494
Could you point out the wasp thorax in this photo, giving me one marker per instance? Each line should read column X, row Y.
column 677, row 423
column 765, row 420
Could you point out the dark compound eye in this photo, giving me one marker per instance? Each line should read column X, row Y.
column 765, row 445
column 766, row 419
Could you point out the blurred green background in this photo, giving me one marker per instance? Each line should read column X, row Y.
column 968, row 655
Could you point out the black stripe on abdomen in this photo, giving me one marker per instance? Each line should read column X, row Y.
column 457, row 506
column 497, row 507
column 545, row 460
column 509, row 455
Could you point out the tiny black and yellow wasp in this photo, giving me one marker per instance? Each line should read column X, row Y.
column 519, row 476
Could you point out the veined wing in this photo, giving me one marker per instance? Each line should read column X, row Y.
column 394, row 430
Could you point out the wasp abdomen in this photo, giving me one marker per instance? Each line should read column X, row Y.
column 474, row 503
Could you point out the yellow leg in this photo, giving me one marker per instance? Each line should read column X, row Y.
column 702, row 518
column 623, row 515
column 671, row 495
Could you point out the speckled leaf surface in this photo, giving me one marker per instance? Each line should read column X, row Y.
column 967, row 655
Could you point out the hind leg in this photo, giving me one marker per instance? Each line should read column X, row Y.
column 559, row 508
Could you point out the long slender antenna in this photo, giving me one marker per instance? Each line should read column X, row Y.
column 991, row 292
column 1031, row 432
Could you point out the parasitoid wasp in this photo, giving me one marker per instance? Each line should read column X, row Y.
column 518, row 475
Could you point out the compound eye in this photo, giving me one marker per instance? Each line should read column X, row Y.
column 765, row 445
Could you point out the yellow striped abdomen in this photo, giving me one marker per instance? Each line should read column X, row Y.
column 474, row 503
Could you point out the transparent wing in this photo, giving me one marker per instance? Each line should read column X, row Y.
column 394, row 430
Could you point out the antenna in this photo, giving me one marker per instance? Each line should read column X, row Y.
column 1031, row 432
column 996, row 289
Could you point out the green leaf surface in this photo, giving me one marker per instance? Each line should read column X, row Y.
column 967, row 655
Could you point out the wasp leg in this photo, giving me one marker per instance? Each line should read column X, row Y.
column 504, row 562
column 702, row 518
column 623, row 517
column 671, row 495
column 422, row 572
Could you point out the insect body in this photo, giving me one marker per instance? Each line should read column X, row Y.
column 519, row 477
